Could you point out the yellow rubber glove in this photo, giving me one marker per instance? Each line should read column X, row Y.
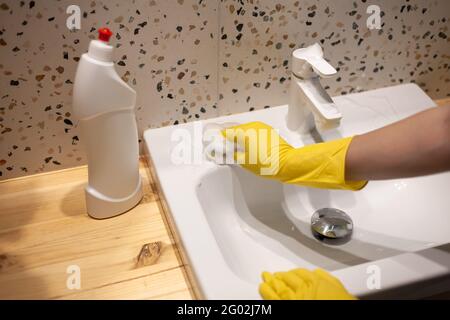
column 267, row 154
column 302, row 284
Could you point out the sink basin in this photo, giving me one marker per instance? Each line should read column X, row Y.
column 234, row 225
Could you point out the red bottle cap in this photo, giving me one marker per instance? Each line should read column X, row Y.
column 104, row 34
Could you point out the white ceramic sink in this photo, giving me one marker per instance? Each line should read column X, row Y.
column 234, row 225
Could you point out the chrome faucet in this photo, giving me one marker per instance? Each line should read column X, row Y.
column 310, row 106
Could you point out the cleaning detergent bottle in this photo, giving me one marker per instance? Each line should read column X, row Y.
column 104, row 105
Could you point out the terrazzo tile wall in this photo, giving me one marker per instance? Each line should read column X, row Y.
column 194, row 59
column 166, row 50
column 258, row 36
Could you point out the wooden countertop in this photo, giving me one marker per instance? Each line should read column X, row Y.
column 44, row 229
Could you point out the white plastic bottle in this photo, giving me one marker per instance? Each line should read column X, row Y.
column 105, row 107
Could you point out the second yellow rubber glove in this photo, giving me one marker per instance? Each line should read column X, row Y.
column 302, row 284
column 266, row 154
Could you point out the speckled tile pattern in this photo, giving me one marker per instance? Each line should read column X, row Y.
column 166, row 50
column 195, row 59
column 258, row 36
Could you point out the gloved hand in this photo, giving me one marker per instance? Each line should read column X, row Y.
column 302, row 284
column 266, row 154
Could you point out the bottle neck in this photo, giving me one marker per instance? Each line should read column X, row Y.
column 101, row 51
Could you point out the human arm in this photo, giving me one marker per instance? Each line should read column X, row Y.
column 415, row 146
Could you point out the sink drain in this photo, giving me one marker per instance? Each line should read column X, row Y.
column 332, row 226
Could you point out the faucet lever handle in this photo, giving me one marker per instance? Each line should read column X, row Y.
column 321, row 67
column 304, row 59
